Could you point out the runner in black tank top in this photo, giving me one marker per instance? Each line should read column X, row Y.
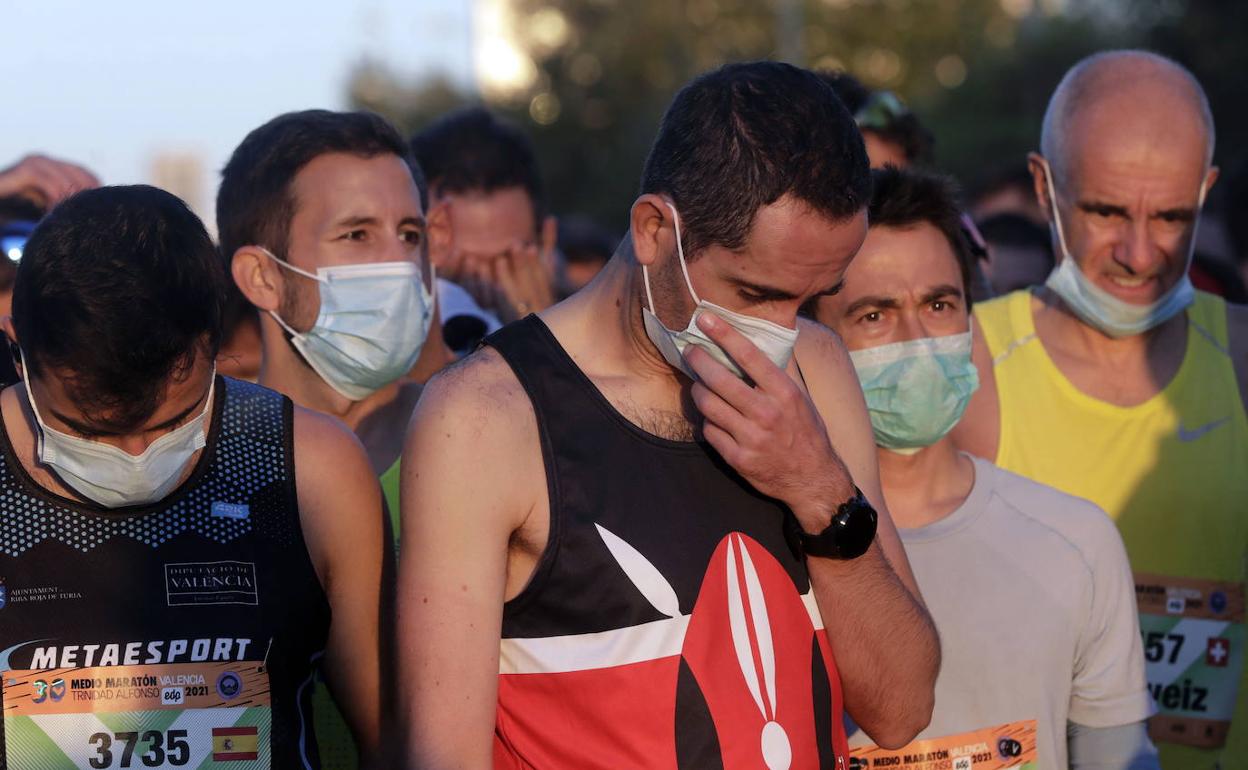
column 179, row 552
column 653, row 561
column 648, row 607
column 216, row 573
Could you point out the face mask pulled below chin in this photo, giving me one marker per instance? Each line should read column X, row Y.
column 916, row 390
column 113, row 477
column 775, row 341
column 373, row 322
column 1102, row 310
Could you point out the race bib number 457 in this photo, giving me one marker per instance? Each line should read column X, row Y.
column 193, row 715
column 1193, row 634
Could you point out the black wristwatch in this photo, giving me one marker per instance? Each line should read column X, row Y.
column 847, row 536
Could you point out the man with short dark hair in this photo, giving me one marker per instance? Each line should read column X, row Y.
column 322, row 220
column 484, row 167
column 631, row 540
column 1066, row 687
column 179, row 551
column 323, row 225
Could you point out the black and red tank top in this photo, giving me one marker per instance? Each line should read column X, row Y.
column 669, row 623
column 184, row 633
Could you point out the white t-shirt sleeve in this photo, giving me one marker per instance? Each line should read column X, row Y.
column 1109, row 687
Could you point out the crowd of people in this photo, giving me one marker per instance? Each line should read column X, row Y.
column 819, row 465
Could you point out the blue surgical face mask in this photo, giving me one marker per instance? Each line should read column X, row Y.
column 373, row 322
column 775, row 341
column 916, row 390
column 1099, row 308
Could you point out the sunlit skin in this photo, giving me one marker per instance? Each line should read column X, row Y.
column 349, row 211
column 1129, row 199
column 904, row 285
column 787, row 259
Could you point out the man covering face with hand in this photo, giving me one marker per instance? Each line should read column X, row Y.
column 670, row 561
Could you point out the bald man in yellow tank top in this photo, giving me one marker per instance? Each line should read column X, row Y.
column 1117, row 382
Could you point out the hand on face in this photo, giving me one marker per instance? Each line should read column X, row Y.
column 513, row 284
column 770, row 433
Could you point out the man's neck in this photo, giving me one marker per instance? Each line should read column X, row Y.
column 282, row 370
column 925, row 487
column 1124, row 371
column 601, row 327
column 1094, row 344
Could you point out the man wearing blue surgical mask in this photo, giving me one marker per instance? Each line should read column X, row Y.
column 1029, row 588
column 1117, row 382
column 643, row 528
column 322, row 217
column 165, row 525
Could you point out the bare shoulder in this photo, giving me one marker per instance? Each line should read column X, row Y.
column 820, row 346
column 478, row 394
column 340, row 507
column 323, row 442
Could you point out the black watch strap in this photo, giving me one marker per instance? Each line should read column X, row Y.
column 848, row 535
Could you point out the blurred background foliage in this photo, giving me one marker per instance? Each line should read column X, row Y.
column 589, row 79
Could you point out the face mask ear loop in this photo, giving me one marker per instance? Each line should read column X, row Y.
column 680, row 253
column 291, row 267
column 30, row 398
column 1057, row 218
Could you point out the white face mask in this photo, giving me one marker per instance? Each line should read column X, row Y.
column 113, row 477
column 373, row 322
column 1103, row 310
column 775, row 341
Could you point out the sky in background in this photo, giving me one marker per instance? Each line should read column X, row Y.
column 113, row 84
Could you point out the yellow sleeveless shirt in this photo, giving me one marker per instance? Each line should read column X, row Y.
column 1172, row 471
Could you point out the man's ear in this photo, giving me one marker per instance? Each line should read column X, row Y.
column 1211, row 179
column 259, row 280
column 1038, row 169
column 652, row 228
column 548, row 239
column 440, row 233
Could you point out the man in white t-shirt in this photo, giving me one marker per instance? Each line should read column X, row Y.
column 1029, row 587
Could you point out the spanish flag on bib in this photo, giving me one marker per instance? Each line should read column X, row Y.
column 235, row 744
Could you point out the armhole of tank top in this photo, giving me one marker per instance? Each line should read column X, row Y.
column 545, row 562
column 1016, row 317
column 1214, row 325
column 291, row 493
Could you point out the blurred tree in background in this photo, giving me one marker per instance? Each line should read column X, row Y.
column 589, row 79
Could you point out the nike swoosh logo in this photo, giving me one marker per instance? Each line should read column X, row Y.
column 1186, row 435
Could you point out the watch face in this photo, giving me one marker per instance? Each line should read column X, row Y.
column 848, row 535
column 856, row 522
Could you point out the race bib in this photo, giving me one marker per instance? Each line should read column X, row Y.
column 1010, row 745
column 1193, row 632
column 193, row 715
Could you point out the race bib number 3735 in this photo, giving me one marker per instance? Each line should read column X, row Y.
column 1193, row 634
column 193, row 715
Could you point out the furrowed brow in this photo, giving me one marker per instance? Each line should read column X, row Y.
column 945, row 290
column 866, row 302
